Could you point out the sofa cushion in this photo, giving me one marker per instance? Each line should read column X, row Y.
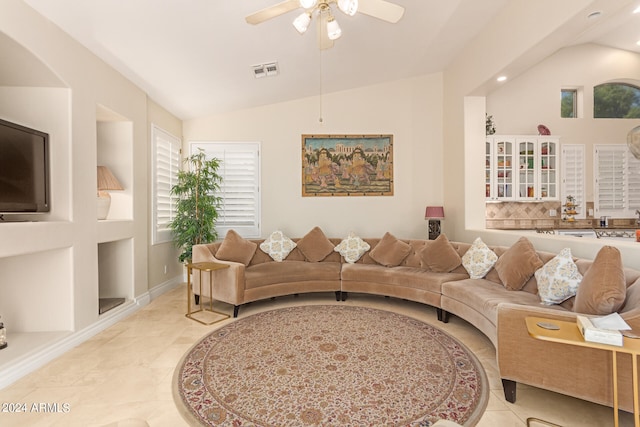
column 390, row 252
column 408, row 277
column 236, row 248
column 558, row 279
column 272, row 273
column 315, row 246
column 440, row 256
column 516, row 266
column 352, row 248
column 603, row 287
column 484, row 297
column 478, row 259
column 278, row 246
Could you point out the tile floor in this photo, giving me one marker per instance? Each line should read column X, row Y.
column 125, row 372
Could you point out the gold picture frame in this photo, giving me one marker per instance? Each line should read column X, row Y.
column 347, row 165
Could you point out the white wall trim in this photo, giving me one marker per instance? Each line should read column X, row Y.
column 13, row 371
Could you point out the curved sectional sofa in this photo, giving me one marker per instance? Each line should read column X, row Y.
column 431, row 272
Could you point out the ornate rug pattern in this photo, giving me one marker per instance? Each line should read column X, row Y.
column 329, row 365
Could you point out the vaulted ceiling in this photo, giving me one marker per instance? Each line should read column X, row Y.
column 196, row 57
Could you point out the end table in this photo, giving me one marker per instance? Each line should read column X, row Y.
column 201, row 267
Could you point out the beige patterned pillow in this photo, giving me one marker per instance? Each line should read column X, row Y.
column 352, row 248
column 479, row 259
column 558, row 280
column 278, row 246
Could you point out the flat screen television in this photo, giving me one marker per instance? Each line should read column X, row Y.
column 24, row 169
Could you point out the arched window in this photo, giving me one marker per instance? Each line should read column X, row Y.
column 616, row 101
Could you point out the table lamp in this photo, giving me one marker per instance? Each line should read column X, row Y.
column 434, row 214
column 106, row 181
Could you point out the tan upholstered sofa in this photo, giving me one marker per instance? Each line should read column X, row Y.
column 431, row 272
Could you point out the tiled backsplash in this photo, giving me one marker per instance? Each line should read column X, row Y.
column 528, row 215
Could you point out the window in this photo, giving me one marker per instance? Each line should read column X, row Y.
column 616, row 101
column 573, row 173
column 569, row 103
column 617, row 181
column 166, row 163
column 240, row 187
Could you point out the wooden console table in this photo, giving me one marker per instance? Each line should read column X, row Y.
column 570, row 334
column 209, row 267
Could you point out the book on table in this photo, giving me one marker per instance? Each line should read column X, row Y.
column 592, row 330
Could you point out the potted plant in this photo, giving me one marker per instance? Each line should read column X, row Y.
column 197, row 205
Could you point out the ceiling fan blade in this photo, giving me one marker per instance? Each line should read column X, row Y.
column 272, row 11
column 381, row 9
column 324, row 42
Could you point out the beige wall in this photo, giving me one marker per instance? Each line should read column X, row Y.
column 533, row 35
column 34, row 61
column 409, row 109
column 534, row 98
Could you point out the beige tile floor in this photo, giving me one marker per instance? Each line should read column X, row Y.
column 125, row 371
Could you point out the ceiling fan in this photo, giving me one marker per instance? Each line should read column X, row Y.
column 328, row 28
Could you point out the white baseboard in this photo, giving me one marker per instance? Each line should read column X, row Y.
column 13, row 371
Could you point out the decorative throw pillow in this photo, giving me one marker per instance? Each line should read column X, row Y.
column 440, row 256
column 236, row 248
column 352, row 248
column 278, row 246
column 603, row 288
column 315, row 246
column 518, row 264
column 390, row 251
column 558, row 279
column 479, row 259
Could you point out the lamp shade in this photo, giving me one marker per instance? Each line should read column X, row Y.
column 106, row 180
column 333, row 29
column 434, row 212
column 350, row 7
column 301, row 23
column 307, row 4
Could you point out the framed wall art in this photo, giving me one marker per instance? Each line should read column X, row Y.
column 347, row 165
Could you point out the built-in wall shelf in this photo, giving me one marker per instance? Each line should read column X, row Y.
column 19, row 238
column 112, row 230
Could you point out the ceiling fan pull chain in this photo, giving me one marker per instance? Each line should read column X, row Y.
column 321, row 120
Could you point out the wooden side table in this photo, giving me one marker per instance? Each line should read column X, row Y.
column 201, row 267
column 568, row 333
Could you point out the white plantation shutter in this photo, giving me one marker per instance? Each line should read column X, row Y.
column 240, row 187
column 573, row 175
column 166, row 164
column 633, row 183
column 617, row 181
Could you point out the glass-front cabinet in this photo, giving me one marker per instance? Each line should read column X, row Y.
column 499, row 169
column 523, row 168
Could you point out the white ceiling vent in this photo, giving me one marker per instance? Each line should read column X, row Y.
column 264, row 70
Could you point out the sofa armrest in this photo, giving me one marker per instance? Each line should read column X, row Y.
column 581, row 372
column 228, row 283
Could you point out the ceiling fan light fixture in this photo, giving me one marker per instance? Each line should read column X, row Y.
column 308, row 4
column 301, row 23
column 349, row 7
column 333, row 29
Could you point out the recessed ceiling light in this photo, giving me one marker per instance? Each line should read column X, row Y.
column 594, row 15
column 501, row 78
column 638, row 42
column 636, row 10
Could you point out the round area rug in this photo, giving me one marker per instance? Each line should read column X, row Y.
column 329, row 365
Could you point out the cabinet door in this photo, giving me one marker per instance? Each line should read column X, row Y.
column 527, row 153
column 488, row 170
column 502, row 172
column 548, row 162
